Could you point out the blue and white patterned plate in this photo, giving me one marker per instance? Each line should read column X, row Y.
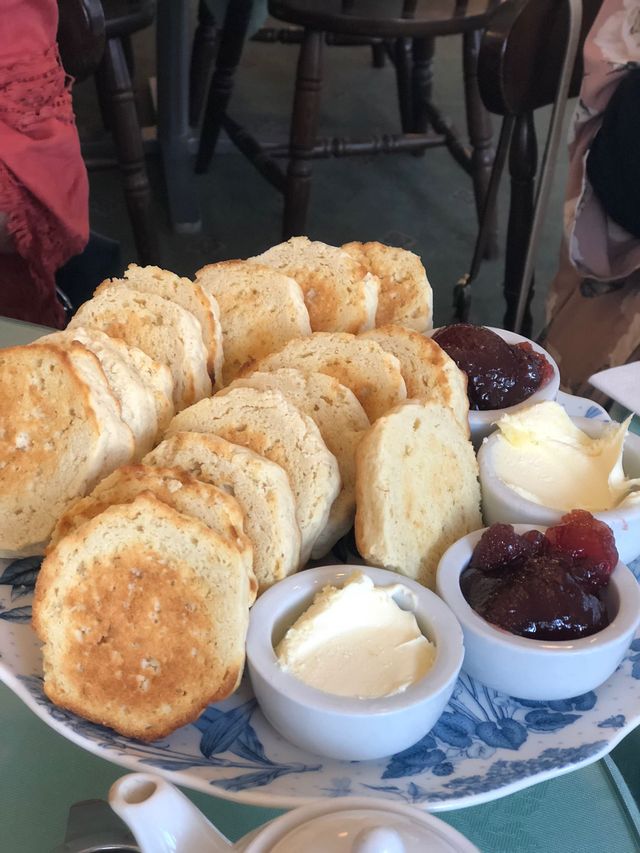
column 581, row 407
column 484, row 746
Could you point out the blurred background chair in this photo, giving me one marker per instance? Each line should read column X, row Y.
column 519, row 67
column 407, row 32
column 94, row 39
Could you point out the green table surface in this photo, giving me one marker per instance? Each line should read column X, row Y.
column 42, row 775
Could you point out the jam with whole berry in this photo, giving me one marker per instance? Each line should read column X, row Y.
column 499, row 374
column 544, row 586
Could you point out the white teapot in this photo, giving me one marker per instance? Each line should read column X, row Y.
column 163, row 820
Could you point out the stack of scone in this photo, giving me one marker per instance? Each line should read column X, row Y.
column 78, row 403
column 331, row 409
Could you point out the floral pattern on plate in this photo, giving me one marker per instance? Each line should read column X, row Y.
column 484, row 746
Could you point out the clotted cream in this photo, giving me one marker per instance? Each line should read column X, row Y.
column 544, row 457
column 357, row 641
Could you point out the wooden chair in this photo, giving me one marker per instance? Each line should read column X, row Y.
column 519, row 67
column 408, row 30
column 93, row 39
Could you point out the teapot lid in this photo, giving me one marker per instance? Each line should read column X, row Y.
column 358, row 825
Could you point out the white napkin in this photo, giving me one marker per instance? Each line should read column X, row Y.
column 622, row 384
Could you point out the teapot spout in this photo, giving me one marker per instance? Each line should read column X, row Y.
column 161, row 818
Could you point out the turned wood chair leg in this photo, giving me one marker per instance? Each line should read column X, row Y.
column 232, row 38
column 480, row 133
column 422, row 81
column 115, row 84
column 402, row 60
column 523, row 157
column 304, row 126
column 202, row 57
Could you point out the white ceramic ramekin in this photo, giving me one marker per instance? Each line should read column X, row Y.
column 539, row 669
column 500, row 503
column 342, row 727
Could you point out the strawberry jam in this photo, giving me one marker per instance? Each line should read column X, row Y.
column 499, row 374
column 543, row 586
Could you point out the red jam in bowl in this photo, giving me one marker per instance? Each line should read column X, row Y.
column 543, row 586
column 499, row 374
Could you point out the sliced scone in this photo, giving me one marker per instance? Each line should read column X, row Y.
column 267, row 423
column 261, row 488
column 60, row 432
column 260, row 310
column 342, row 422
column 417, row 489
column 373, row 375
column 136, row 399
column 340, row 294
column 159, row 327
column 405, row 296
column 143, row 612
column 427, row 369
column 183, row 292
column 174, row 487
column 155, row 375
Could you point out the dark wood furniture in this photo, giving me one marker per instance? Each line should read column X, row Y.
column 93, row 38
column 407, row 29
column 519, row 65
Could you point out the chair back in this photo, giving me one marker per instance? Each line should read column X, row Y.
column 522, row 51
column 81, row 36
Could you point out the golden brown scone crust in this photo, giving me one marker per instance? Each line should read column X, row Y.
column 143, row 613
column 405, row 296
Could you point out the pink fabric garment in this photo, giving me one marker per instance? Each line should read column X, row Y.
column 593, row 309
column 43, row 181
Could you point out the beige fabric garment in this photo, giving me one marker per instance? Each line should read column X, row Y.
column 593, row 309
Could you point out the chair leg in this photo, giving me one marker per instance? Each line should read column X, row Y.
column 480, row 132
column 232, row 39
column 422, row 81
column 304, row 126
column 523, row 157
column 114, row 83
column 403, row 61
column 202, row 56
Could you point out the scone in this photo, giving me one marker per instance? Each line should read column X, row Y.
column 427, row 369
column 60, row 432
column 342, row 422
column 136, row 399
column 267, row 423
column 156, row 377
column 260, row 310
column 340, row 294
column 159, row 327
column 372, row 374
column 188, row 295
column 261, row 488
column 405, row 296
column 174, row 487
column 417, row 489
column 143, row 613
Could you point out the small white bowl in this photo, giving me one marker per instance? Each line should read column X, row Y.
column 481, row 424
column 500, row 503
column 349, row 729
column 539, row 669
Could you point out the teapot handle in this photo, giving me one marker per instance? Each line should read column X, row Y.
column 162, row 819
